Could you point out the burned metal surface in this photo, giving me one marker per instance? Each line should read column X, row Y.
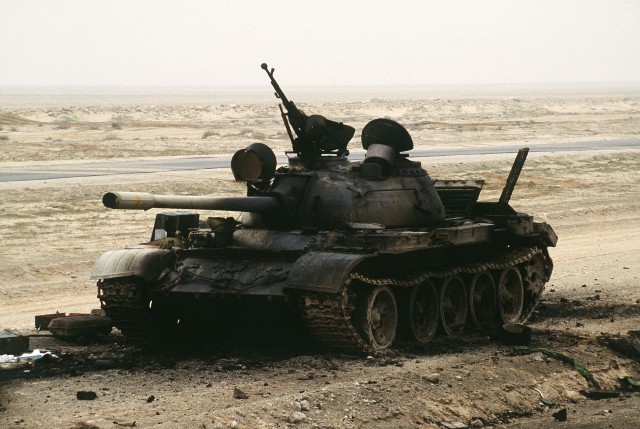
column 80, row 326
column 12, row 343
column 144, row 262
column 355, row 251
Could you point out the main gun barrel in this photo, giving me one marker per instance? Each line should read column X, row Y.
column 145, row 201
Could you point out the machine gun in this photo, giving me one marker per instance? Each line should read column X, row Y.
column 315, row 135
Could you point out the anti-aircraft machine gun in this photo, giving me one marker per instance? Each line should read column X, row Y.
column 315, row 135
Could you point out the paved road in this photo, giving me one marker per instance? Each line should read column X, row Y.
column 56, row 170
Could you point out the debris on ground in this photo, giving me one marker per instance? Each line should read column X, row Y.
column 74, row 328
column 86, row 395
column 600, row 393
column 627, row 345
column 12, row 343
column 239, row 394
column 42, row 321
column 8, row 359
column 38, row 354
column 591, row 382
column 628, row 382
column 126, row 425
column 543, row 400
column 453, row 425
column 560, row 415
column 513, row 334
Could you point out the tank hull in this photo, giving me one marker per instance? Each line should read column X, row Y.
column 319, row 279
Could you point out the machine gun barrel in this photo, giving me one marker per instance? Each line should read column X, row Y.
column 279, row 92
column 297, row 118
column 145, row 201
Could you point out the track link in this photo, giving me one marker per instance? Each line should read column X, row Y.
column 125, row 302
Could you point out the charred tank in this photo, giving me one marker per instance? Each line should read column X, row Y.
column 361, row 253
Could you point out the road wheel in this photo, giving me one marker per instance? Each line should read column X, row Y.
column 377, row 317
column 510, row 295
column 423, row 312
column 482, row 300
column 453, row 305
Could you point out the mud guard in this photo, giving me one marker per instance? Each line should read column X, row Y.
column 323, row 271
column 547, row 234
column 147, row 263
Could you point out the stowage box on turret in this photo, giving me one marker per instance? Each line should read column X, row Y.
column 362, row 253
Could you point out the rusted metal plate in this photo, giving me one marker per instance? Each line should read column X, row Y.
column 12, row 343
column 475, row 233
column 322, row 271
column 42, row 321
column 80, row 326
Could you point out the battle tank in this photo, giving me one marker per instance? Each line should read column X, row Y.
column 362, row 253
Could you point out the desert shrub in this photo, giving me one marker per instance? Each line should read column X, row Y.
column 4, row 137
column 111, row 137
column 116, row 125
column 209, row 133
column 61, row 127
column 94, row 127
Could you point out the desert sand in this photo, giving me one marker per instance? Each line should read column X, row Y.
column 53, row 230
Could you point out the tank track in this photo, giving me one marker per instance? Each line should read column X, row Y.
column 327, row 316
column 126, row 304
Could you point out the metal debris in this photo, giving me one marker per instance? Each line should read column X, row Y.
column 239, row 394
column 543, row 400
column 560, row 415
column 86, row 395
column 591, row 382
column 12, row 343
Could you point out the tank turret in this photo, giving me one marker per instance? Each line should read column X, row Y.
column 331, row 192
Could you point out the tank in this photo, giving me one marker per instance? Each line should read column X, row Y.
column 362, row 254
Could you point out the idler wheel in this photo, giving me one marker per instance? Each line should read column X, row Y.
column 533, row 278
column 453, row 305
column 482, row 300
column 377, row 317
column 423, row 312
column 510, row 295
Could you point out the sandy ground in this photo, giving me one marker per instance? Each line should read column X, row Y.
column 53, row 230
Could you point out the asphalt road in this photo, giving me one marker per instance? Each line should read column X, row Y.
column 60, row 170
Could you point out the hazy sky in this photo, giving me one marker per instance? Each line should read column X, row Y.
column 359, row 42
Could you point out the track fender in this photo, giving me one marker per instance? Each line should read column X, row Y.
column 322, row 271
column 147, row 263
